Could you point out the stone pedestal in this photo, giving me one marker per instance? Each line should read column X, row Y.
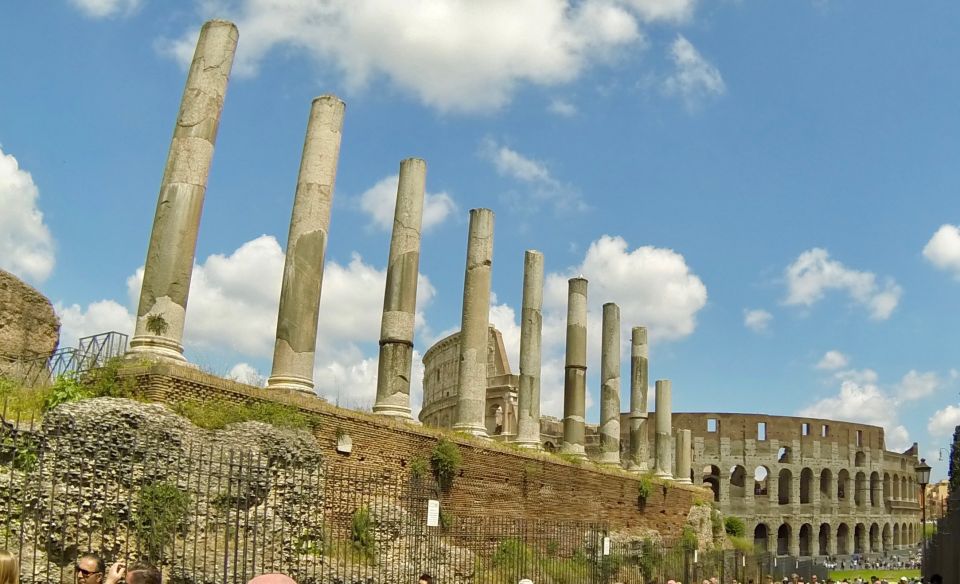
column 531, row 328
column 293, row 352
column 664, row 414
column 472, row 375
column 639, row 367
column 400, row 295
column 173, row 242
column 610, row 386
column 575, row 371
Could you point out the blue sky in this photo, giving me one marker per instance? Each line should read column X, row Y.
column 770, row 187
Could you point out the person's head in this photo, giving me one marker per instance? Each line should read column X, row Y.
column 273, row 578
column 9, row 568
column 89, row 569
column 425, row 579
column 141, row 573
column 936, row 579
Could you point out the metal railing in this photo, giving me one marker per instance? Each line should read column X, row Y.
column 91, row 352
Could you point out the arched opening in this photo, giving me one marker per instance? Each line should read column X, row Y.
column 874, row 489
column 783, row 540
column 738, row 482
column 911, row 538
column 784, row 484
column 711, row 477
column 859, row 539
column 874, row 538
column 896, row 487
column 761, row 537
column 896, row 536
column 761, row 476
column 859, row 459
column 843, row 539
column 784, row 456
column 495, row 420
column 843, row 485
column 911, row 490
column 826, row 485
column 549, row 446
column 823, row 540
column 806, row 485
column 903, row 489
column 887, row 493
column 806, row 535
column 887, row 536
column 860, row 490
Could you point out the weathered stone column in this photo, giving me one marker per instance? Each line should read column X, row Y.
column 173, row 241
column 610, row 386
column 472, row 375
column 639, row 367
column 664, row 429
column 531, row 329
column 400, row 295
column 575, row 371
column 293, row 351
column 684, row 457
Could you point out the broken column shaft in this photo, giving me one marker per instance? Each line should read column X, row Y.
column 639, row 367
column 531, row 329
column 472, row 373
column 664, row 429
column 293, row 353
column 575, row 370
column 610, row 386
column 173, row 241
column 400, row 295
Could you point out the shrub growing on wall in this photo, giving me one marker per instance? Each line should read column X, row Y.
column 734, row 526
column 161, row 512
column 444, row 462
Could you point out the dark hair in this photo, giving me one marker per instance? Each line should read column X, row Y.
column 426, row 578
column 141, row 573
column 936, row 578
column 101, row 566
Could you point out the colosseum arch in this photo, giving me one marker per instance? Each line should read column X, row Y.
column 826, row 485
column 784, row 486
column 875, row 538
column 711, row 477
column 860, row 539
column 843, row 539
column 761, row 537
column 806, row 537
column 859, row 459
column 887, row 536
column 738, row 482
column 897, row 540
column 843, row 486
column 887, row 493
column 823, row 539
column 896, row 486
column 806, row 486
column 911, row 490
column 761, row 481
column 860, row 489
column 875, row 499
column 784, row 456
column 904, row 493
column 783, row 539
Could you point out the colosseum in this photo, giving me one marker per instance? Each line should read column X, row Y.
column 803, row 486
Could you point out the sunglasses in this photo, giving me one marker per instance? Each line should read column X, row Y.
column 85, row 573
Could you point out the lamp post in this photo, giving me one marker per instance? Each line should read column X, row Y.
column 923, row 478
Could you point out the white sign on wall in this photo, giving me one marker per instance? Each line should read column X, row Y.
column 606, row 546
column 433, row 513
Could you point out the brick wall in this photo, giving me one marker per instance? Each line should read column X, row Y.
column 494, row 479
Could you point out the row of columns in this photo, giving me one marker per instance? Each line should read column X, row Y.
column 168, row 269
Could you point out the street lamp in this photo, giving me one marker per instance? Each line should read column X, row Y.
column 923, row 479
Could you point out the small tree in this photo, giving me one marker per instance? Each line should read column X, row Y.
column 445, row 461
column 954, row 472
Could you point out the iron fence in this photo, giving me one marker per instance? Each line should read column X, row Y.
column 91, row 352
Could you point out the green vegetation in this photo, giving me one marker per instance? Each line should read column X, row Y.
column 954, row 469
column 446, row 519
column 361, row 533
column 716, row 524
column 929, row 530
column 66, row 388
column 892, row 575
column 20, row 402
column 735, row 527
column 513, row 560
column 161, row 513
column 742, row 544
column 689, row 540
column 157, row 325
column 445, row 461
column 644, row 488
column 418, row 467
column 216, row 414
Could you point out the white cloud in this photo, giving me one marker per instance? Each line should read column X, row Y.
column 664, row 10
column 379, row 202
column 944, row 421
column 694, row 79
column 26, row 246
column 943, row 249
column 563, row 108
column 540, row 187
column 454, row 56
column 757, row 320
column 99, row 317
column 833, row 360
column 511, row 163
column 247, row 373
column 106, row 8
column 915, row 385
column 814, row 273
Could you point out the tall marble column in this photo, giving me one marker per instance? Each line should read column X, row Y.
column 610, row 386
column 472, row 375
column 173, row 241
column 639, row 367
column 575, row 370
column 400, row 296
column 684, row 456
column 293, row 351
column 664, row 429
column 531, row 329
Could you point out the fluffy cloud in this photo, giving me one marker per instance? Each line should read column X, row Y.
column 379, row 202
column 563, row 108
column 694, row 79
column 26, row 247
column 106, row 8
column 539, row 186
column 833, row 360
column 943, row 249
column 99, row 317
column 757, row 320
column 247, row 373
column 814, row 273
column 943, row 422
column 915, row 385
column 454, row 56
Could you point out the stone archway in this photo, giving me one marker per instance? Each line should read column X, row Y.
column 823, row 540
column 806, row 540
column 784, row 486
column 783, row 539
column 761, row 537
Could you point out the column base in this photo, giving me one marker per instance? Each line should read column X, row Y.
column 301, row 385
column 612, row 459
column 473, row 430
column 662, row 474
column 156, row 348
column 684, row 482
column 392, row 411
column 573, row 449
column 527, row 445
